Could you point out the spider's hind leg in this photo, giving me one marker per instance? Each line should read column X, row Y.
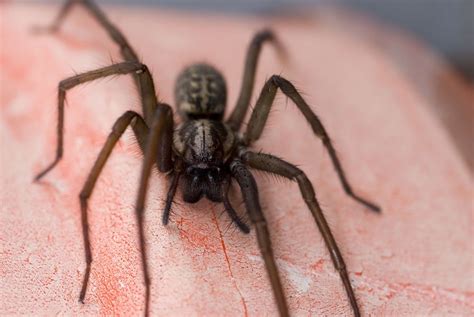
column 143, row 82
column 127, row 51
column 262, row 110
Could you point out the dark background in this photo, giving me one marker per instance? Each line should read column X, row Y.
column 447, row 25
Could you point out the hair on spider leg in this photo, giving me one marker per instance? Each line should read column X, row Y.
column 239, row 223
column 134, row 146
column 221, row 213
column 176, row 210
column 231, row 228
column 271, row 177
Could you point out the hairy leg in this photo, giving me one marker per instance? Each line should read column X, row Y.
column 140, row 130
column 249, row 190
column 66, row 84
column 158, row 142
column 145, row 82
column 248, row 80
column 272, row 164
column 259, row 118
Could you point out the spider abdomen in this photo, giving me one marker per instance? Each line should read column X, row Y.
column 201, row 92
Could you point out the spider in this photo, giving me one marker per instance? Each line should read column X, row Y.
column 204, row 153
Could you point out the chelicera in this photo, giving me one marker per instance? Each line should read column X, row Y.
column 205, row 153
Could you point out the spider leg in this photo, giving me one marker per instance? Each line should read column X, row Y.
column 249, row 190
column 140, row 130
column 248, row 80
column 66, row 84
column 260, row 115
column 127, row 51
column 144, row 82
column 158, row 141
column 272, row 164
column 58, row 21
column 230, row 210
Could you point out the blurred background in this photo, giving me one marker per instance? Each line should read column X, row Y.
column 447, row 25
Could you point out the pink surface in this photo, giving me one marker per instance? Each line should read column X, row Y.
column 414, row 259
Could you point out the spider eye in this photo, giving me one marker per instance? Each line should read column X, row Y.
column 213, row 173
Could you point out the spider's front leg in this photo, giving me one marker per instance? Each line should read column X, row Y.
column 249, row 190
column 160, row 135
column 159, row 143
column 66, row 84
column 272, row 164
column 260, row 115
column 140, row 130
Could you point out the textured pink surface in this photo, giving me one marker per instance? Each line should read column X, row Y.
column 414, row 259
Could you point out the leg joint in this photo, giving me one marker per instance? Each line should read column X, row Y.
column 307, row 190
column 276, row 79
column 262, row 36
column 64, row 85
column 122, row 123
column 142, row 69
column 283, row 84
column 130, row 114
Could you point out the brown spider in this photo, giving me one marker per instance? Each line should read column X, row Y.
column 204, row 153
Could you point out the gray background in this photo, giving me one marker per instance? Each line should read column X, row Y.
column 447, row 25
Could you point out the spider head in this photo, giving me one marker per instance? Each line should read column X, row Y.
column 201, row 182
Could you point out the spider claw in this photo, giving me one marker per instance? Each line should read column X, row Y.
column 373, row 207
column 38, row 178
column 82, row 296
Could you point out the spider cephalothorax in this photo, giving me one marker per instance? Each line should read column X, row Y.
column 204, row 146
column 204, row 153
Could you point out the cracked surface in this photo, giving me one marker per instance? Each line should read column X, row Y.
column 414, row 259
